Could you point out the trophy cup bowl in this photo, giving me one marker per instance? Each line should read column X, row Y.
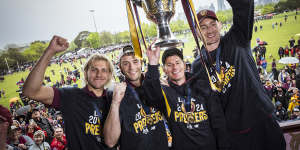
column 160, row 12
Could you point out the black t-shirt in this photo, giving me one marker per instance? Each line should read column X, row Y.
column 142, row 127
column 200, row 125
column 83, row 122
column 192, row 136
column 242, row 95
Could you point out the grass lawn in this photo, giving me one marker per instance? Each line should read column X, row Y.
column 274, row 37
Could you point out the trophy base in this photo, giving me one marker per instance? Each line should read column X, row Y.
column 166, row 44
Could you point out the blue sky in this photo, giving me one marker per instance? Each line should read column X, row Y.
column 24, row 21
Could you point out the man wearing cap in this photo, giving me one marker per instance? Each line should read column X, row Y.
column 194, row 114
column 84, row 110
column 233, row 74
column 130, row 122
column 5, row 123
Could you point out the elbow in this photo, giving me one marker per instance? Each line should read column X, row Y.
column 110, row 143
column 26, row 92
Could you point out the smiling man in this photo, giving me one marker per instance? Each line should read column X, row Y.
column 84, row 110
column 195, row 116
column 131, row 122
column 233, row 74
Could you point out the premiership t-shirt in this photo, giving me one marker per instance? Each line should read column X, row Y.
column 84, row 115
column 142, row 127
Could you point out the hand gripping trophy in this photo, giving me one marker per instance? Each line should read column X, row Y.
column 160, row 12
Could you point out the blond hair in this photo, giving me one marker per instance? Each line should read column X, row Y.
column 98, row 57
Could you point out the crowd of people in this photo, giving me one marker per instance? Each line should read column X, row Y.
column 148, row 112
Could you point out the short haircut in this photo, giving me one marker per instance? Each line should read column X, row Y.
column 171, row 52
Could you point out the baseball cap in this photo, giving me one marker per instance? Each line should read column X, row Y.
column 171, row 52
column 5, row 115
column 206, row 14
column 126, row 50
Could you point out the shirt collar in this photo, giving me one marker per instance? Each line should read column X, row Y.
column 92, row 94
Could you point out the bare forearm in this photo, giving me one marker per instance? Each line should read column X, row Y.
column 112, row 127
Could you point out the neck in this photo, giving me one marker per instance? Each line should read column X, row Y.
column 212, row 47
column 179, row 82
column 97, row 92
column 136, row 83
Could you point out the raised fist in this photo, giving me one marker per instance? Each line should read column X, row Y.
column 119, row 92
column 57, row 44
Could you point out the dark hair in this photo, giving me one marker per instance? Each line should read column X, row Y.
column 171, row 52
column 34, row 110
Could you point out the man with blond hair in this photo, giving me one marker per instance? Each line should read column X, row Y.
column 83, row 110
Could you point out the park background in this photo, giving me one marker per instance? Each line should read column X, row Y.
column 275, row 37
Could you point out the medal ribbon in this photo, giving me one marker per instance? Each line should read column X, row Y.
column 137, row 98
column 97, row 111
column 187, row 100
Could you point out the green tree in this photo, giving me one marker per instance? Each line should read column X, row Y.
column 269, row 8
column 80, row 39
column 72, row 46
column 125, row 36
column 94, row 40
column 287, row 5
column 225, row 16
column 106, row 38
column 35, row 50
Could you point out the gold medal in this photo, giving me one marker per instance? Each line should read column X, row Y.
column 149, row 120
column 190, row 117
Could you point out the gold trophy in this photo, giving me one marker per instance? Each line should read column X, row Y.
column 160, row 12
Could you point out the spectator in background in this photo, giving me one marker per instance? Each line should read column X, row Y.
column 263, row 51
column 274, row 69
column 264, row 65
column 43, row 123
column 59, row 141
column 17, row 140
column 280, row 52
column 3, row 92
column 286, row 51
column 294, row 99
column 31, row 128
column 280, row 112
column 280, row 97
column 39, row 141
column 293, row 51
column 60, row 121
column 5, row 123
column 285, row 18
column 261, row 27
column 269, row 88
column 298, row 42
column 292, row 42
column 295, row 114
column 282, row 76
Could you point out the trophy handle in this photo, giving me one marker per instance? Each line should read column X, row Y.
column 148, row 14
